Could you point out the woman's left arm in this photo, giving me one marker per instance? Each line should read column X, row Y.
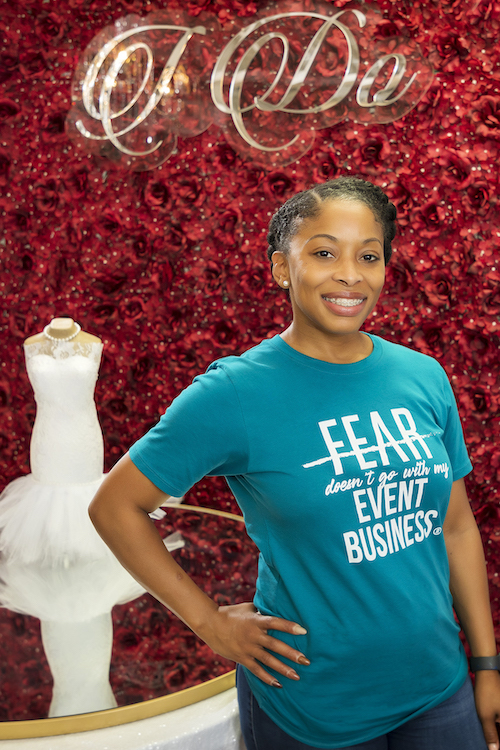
column 469, row 588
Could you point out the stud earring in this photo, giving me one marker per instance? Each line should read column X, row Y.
column 285, row 283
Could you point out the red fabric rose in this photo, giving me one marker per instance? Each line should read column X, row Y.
column 50, row 27
column 485, row 114
column 8, row 65
column 8, row 108
column 432, row 219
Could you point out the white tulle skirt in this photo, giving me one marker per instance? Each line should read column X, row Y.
column 53, row 563
column 48, row 524
column 75, row 593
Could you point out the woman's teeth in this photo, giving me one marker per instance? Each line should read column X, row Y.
column 343, row 301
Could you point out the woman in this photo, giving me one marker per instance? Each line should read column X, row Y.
column 346, row 455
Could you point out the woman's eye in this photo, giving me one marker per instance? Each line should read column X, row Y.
column 370, row 257
column 324, row 253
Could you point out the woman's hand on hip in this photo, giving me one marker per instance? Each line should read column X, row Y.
column 240, row 633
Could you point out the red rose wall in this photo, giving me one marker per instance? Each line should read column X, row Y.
column 168, row 266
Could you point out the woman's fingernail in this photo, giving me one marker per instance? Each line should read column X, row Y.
column 292, row 674
column 303, row 660
column 298, row 630
column 275, row 683
column 493, row 746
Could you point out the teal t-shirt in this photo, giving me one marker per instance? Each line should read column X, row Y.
column 343, row 474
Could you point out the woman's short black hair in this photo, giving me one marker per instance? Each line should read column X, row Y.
column 307, row 205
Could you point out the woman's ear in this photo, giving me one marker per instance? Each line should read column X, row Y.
column 280, row 269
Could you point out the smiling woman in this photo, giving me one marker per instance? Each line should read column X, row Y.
column 346, row 455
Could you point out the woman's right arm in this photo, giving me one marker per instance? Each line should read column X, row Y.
column 119, row 511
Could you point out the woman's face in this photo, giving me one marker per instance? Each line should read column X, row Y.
column 335, row 270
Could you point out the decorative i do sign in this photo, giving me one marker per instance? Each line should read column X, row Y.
column 270, row 84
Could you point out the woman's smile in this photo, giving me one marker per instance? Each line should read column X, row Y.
column 342, row 304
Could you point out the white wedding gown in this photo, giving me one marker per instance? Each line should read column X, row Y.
column 53, row 564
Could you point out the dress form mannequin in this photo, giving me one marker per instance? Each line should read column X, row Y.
column 53, row 564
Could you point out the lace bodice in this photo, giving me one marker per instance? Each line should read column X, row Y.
column 66, row 444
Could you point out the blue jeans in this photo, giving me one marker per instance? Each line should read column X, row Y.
column 453, row 725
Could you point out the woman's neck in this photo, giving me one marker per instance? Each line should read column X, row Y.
column 337, row 348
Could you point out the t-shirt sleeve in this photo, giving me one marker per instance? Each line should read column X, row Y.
column 202, row 433
column 453, row 436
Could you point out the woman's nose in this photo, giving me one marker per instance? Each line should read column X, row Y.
column 347, row 271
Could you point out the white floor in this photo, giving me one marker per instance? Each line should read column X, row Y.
column 212, row 724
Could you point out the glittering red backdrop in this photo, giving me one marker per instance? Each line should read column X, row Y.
column 168, row 266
